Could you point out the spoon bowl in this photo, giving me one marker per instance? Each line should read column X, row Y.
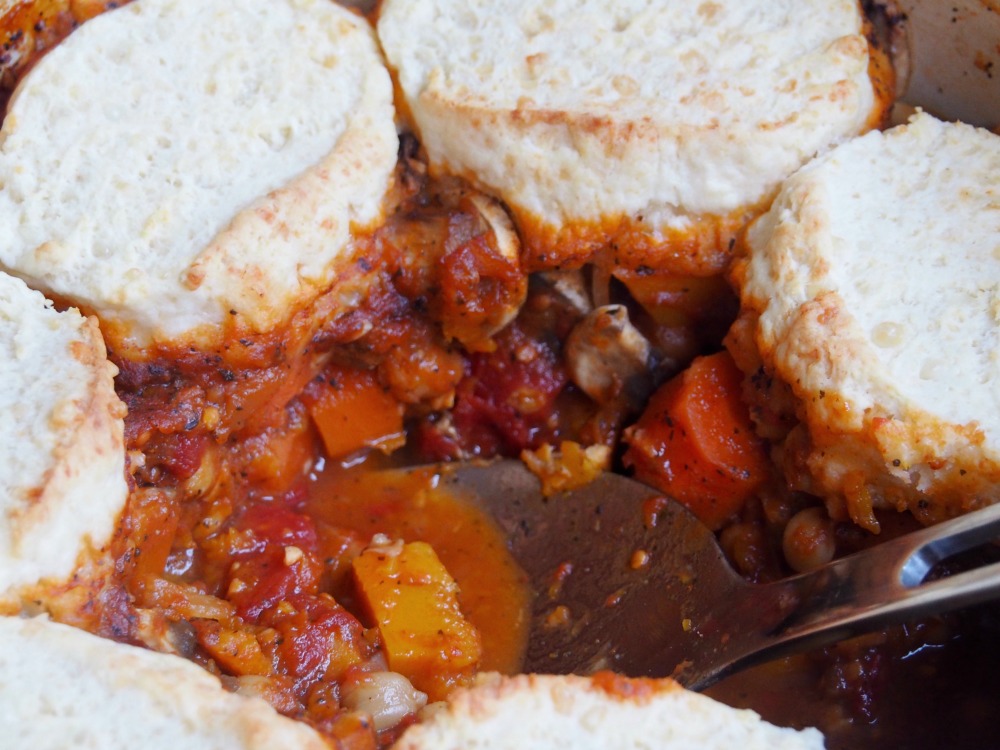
column 628, row 580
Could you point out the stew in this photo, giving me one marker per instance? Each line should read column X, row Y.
column 262, row 541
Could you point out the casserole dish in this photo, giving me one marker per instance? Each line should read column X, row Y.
column 207, row 444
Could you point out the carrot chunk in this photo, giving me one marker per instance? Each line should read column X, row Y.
column 695, row 441
column 414, row 602
column 352, row 411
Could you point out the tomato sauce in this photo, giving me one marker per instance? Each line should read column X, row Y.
column 410, row 505
column 236, row 547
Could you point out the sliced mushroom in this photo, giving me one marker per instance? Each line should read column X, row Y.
column 608, row 358
column 571, row 285
column 508, row 244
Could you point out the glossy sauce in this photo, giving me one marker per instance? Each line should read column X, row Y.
column 409, row 505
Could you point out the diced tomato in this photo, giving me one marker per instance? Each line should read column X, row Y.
column 179, row 453
column 315, row 638
column 507, row 402
column 275, row 558
column 275, row 526
column 445, row 259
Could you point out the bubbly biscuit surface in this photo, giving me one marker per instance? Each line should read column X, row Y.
column 62, row 456
column 655, row 114
column 63, row 687
column 875, row 282
column 176, row 163
column 62, row 461
column 602, row 711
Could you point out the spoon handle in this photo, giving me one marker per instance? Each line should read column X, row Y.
column 855, row 594
column 887, row 583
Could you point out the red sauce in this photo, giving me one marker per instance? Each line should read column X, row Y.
column 410, row 505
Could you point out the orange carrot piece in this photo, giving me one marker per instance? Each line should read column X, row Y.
column 695, row 441
column 352, row 411
column 414, row 602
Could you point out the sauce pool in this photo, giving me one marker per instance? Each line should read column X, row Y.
column 409, row 505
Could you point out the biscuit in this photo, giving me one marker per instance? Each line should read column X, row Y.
column 606, row 710
column 63, row 687
column 658, row 127
column 62, row 455
column 871, row 290
column 171, row 168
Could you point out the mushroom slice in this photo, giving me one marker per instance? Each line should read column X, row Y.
column 608, row 357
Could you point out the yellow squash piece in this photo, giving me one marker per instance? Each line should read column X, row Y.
column 414, row 601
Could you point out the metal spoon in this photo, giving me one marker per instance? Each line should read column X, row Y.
column 628, row 581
